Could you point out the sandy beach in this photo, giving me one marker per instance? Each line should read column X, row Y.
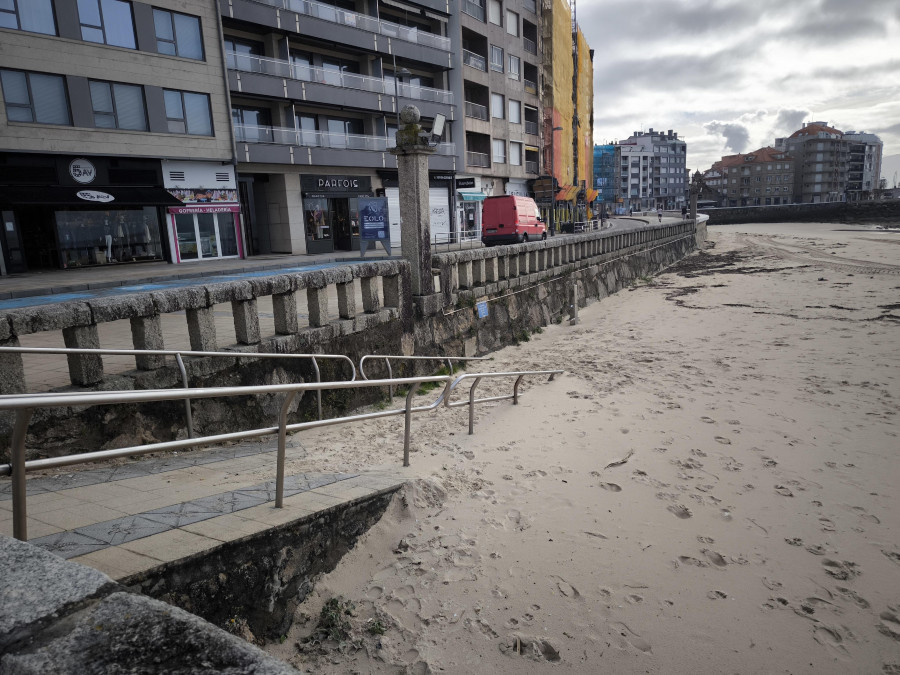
column 710, row 487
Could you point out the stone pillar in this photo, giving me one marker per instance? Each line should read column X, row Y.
column 573, row 302
column 12, row 371
column 146, row 333
column 465, row 274
column 284, row 309
column 371, row 300
column 246, row 321
column 84, row 369
column 346, row 300
column 490, row 270
column 202, row 329
column 415, row 212
column 317, row 302
column 392, row 290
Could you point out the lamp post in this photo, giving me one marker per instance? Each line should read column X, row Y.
column 552, row 179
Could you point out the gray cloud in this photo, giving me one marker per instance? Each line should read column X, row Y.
column 833, row 30
column 788, row 121
column 737, row 137
column 892, row 129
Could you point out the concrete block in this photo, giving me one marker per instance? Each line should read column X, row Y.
column 202, row 329
column 146, row 333
column 317, row 304
column 177, row 299
column 121, row 307
column 246, row 321
column 346, row 299
column 12, row 371
column 49, row 317
column 38, row 586
column 84, row 369
column 370, row 296
column 284, row 308
column 228, row 291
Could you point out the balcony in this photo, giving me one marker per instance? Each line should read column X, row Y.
column 531, row 167
column 476, row 111
column 474, row 9
column 529, row 45
column 474, row 60
column 531, row 128
column 530, row 86
column 480, row 159
column 244, row 133
column 334, row 14
column 303, row 73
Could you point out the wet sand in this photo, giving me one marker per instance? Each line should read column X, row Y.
column 710, row 487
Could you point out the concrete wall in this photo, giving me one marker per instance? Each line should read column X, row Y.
column 884, row 212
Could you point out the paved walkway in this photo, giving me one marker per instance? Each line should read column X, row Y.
column 127, row 518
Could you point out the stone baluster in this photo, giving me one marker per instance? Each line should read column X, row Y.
column 512, row 265
column 246, row 321
column 84, row 369
column 317, row 304
column 12, row 371
column 491, row 271
column 346, row 300
column 146, row 333
column 502, row 267
column 284, row 309
column 202, row 329
column 370, row 298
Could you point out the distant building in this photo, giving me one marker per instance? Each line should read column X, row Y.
column 760, row 178
column 606, row 182
column 864, row 170
column 652, row 170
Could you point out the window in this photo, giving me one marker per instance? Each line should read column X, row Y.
column 340, row 129
column 497, row 106
column 515, row 153
column 118, row 106
column 188, row 113
column 306, row 124
column 34, row 97
column 515, row 111
column 499, row 147
column 334, row 70
column 178, row 34
column 35, row 16
column 514, row 66
column 252, row 125
column 495, row 11
column 512, row 23
column 302, row 64
column 108, row 22
column 240, row 55
column 496, row 58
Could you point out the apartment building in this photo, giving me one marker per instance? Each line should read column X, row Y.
column 760, row 178
column 607, row 159
column 115, row 138
column 652, row 170
column 497, row 70
column 822, row 161
column 864, row 165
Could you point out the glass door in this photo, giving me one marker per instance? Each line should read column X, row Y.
column 202, row 236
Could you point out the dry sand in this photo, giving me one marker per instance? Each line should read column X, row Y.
column 711, row 487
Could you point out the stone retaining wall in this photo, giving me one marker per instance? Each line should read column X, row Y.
column 886, row 212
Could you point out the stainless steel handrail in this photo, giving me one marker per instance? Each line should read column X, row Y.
column 179, row 354
column 388, row 358
column 25, row 404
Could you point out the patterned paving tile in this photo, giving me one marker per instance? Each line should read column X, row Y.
column 69, row 544
column 120, row 530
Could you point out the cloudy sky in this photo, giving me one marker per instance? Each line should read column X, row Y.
column 731, row 75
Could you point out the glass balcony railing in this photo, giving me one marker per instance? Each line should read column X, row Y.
column 335, row 78
column 476, row 111
column 245, row 133
column 530, row 45
column 474, row 8
column 334, row 14
column 530, row 86
column 474, row 60
column 531, row 167
column 481, row 159
column 531, row 128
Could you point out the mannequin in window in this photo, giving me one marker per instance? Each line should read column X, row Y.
column 107, row 236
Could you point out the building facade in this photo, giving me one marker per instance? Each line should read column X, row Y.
column 760, row 178
column 822, row 161
column 864, row 165
column 94, row 94
column 652, row 170
column 607, row 159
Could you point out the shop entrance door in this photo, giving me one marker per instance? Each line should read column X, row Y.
column 205, row 235
column 12, row 255
column 340, row 215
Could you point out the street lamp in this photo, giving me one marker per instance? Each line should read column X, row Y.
column 552, row 180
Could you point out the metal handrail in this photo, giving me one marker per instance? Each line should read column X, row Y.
column 25, row 404
column 179, row 354
column 388, row 358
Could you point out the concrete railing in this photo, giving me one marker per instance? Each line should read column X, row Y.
column 382, row 286
column 478, row 272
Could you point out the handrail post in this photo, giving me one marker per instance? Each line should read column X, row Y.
column 319, row 381
column 472, row 406
column 187, row 401
column 408, row 422
column 17, row 460
column 516, row 390
column 450, row 366
column 282, row 447
column 387, row 362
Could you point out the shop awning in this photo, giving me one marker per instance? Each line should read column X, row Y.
column 592, row 195
column 566, row 193
column 472, row 196
column 57, row 195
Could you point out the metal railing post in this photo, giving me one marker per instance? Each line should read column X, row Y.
column 282, row 448
column 318, row 380
column 472, row 406
column 450, row 366
column 408, row 422
column 516, row 389
column 187, row 401
column 17, row 459
column 387, row 362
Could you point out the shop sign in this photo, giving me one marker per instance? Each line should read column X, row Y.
column 373, row 213
column 335, row 183
column 465, row 182
column 230, row 208
column 82, row 171
column 94, row 196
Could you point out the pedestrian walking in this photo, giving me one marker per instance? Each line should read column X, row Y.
column 659, row 213
column 684, row 212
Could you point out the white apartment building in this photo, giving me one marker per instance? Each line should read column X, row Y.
column 652, row 170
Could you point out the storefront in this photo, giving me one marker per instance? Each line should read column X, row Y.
column 469, row 197
column 331, row 211
column 66, row 212
column 440, row 189
column 207, row 223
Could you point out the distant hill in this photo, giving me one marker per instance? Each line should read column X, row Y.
column 890, row 169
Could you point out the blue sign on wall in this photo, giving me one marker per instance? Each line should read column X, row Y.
column 373, row 215
column 482, row 309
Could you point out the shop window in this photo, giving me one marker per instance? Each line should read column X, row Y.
column 108, row 22
column 35, row 16
column 188, row 113
column 178, row 34
column 99, row 237
column 205, row 235
column 35, row 97
column 315, row 215
column 118, row 106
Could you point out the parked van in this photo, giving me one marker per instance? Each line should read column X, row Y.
column 510, row 220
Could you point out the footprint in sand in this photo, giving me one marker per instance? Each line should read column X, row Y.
column 769, row 463
column 827, row 524
column 680, row 511
column 716, row 595
column 612, row 487
column 854, row 596
column 816, row 549
column 890, row 623
column 634, row 598
column 829, row 636
column 892, row 555
column 784, row 491
column 705, row 540
column 722, row 440
column 707, row 420
column 688, row 560
column 861, row 512
column 771, row 584
column 632, row 638
column 565, row 588
column 715, row 558
column 840, row 570
column 794, row 541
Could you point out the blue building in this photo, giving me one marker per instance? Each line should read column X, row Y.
column 605, row 176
